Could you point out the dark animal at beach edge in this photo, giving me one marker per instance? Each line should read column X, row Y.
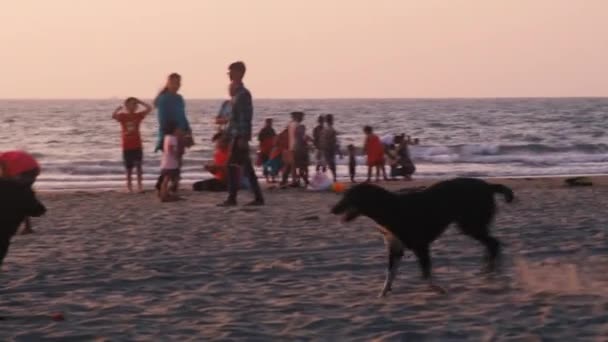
column 413, row 220
column 17, row 201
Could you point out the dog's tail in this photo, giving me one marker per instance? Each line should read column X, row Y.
column 501, row 189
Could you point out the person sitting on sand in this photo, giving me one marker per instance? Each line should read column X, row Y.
column 375, row 154
column 218, row 168
column 22, row 166
column 266, row 141
column 170, row 165
column 403, row 164
column 132, row 147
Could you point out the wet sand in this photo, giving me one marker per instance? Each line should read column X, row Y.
column 126, row 267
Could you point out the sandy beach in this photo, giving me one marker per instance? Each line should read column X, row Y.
column 126, row 267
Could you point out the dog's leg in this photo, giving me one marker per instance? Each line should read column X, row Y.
column 395, row 253
column 424, row 260
column 4, row 244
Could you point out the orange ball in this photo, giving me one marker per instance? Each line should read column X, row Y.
column 338, row 187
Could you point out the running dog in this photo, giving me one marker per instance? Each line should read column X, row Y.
column 415, row 219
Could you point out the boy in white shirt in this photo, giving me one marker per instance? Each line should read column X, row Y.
column 169, row 165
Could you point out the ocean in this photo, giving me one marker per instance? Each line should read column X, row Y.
column 78, row 144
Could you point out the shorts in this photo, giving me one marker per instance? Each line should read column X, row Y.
column 132, row 158
column 173, row 174
column 272, row 166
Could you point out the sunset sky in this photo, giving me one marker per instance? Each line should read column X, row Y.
column 305, row 49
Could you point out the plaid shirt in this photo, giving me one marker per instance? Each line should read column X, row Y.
column 242, row 114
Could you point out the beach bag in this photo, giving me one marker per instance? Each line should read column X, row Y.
column 320, row 182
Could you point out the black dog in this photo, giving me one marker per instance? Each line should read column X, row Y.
column 414, row 220
column 17, row 201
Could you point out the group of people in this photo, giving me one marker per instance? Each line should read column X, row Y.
column 232, row 159
column 288, row 153
column 284, row 155
column 281, row 155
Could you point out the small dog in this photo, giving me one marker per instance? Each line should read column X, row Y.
column 17, row 201
column 413, row 220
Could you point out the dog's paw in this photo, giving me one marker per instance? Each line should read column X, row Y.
column 384, row 292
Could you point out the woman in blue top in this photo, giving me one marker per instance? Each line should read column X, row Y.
column 171, row 107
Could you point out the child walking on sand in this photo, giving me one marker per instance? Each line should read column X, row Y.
column 352, row 162
column 170, row 166
column 132, row 147
column 375, row 154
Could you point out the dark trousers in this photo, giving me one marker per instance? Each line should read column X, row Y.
column 240, row 158
column 212, row 184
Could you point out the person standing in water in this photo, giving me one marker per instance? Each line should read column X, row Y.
column 329, row 145
column 239, row 129
column 171, row 107
column 266, row 138
column 316, row 140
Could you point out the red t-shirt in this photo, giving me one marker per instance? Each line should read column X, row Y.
column 17, row 162
column 266, row 145
column 129, row 122
column 220, row 159
column 374, row 150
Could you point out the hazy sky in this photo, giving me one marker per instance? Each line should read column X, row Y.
column 311, row 48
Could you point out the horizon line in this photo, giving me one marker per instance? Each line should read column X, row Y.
column 316, row 98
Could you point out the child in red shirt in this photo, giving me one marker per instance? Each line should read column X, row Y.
column 132, row 147
column 375, row 154
column 218, row 168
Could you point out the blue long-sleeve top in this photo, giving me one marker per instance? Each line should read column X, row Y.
column 170, row 107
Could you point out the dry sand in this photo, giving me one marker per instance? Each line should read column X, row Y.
column 126, row 267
